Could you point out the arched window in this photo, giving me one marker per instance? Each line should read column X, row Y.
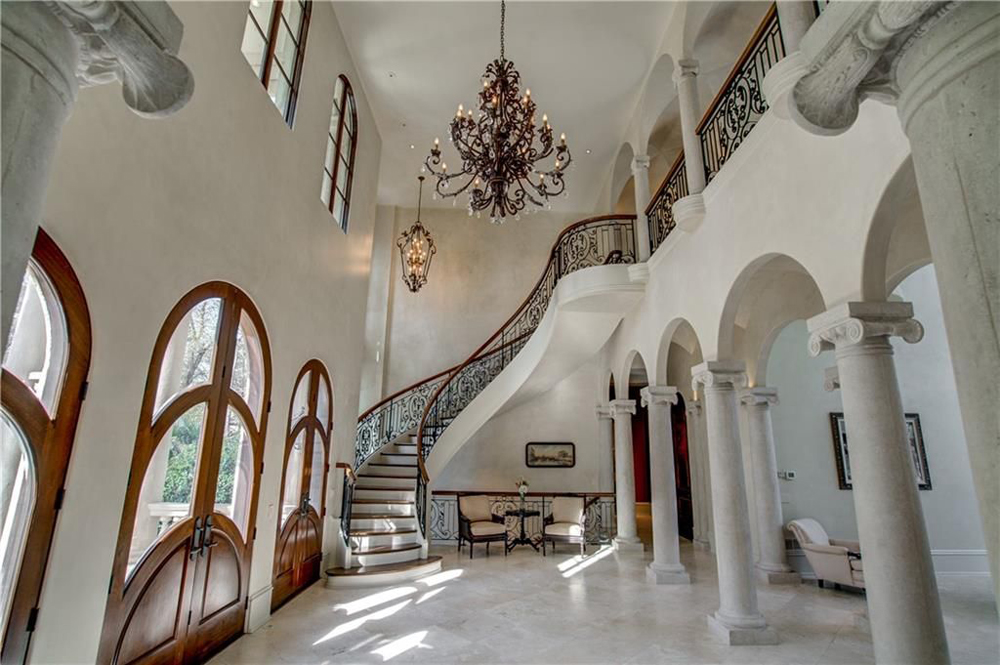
column 341, row 144
column 274, row 43
column 299, row 546
column 45, row 366
column 192, row 493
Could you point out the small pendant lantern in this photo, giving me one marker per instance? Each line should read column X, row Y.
column 416, row 249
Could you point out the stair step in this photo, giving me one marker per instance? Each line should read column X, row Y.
column 398, row 466
column 383, row 475
column 381, row 516
column 388, row 532
column 380, row 488
column 395, row 502
column 386, row 549
column 391, row 573
column 400, row 454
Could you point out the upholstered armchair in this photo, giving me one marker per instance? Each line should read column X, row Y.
column 478, row 524
column 837, row 561
column 566, row 524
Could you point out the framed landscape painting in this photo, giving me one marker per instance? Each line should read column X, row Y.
column 550, row 455
column 914, row 436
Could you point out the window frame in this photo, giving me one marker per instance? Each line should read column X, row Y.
column 270, row 39
column 347, row 94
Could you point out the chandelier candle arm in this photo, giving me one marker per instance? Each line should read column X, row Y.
column 502, row 149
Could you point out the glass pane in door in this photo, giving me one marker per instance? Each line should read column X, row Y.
column 300, row 402
column 234, row 486
column 248, row 366
column 17, row 501
column 292, row 492
column 188, row 358
column 168, row 487
column 317, row 472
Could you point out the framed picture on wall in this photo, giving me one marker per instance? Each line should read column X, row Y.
column 914, row 436
column 550, row 455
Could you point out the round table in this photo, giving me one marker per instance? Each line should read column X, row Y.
column 522, row 539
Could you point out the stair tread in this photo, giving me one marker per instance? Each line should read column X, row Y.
column 384, row 568
column 386, row 549
column 380, row 488
column 380, row 516
column 402, row 454
column 399, row 466
column 368, row 502
column 382, row 475
column 390, row 532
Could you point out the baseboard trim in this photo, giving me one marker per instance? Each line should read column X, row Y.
column 259, row 609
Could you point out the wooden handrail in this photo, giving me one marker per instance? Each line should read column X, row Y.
column 739, row 64
column 552, row 256
column 348, row 470
column 666, row 179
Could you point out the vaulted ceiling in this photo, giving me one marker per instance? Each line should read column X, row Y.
column 585, row 63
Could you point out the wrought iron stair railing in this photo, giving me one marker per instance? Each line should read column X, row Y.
column 740, row 102
column 660, row 212
column 591, row 242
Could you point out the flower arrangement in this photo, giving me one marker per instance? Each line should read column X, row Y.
column 522, row 487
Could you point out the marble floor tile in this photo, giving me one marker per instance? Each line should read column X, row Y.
column 600, row 609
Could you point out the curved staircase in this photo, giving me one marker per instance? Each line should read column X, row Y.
column 589, row 283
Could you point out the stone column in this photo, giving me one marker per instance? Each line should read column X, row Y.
column 666, row 567
column 903, row 603
column 699, row 464
column 627, row 539
column 772, row 564
column 794, row 18
column 690, row 210
column 737, row 621
column 49, row 49
column 640, row 176
column 605, row 438
column 940, row 63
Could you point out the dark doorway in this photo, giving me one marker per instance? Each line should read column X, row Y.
column 682, row 470
column 640, row 446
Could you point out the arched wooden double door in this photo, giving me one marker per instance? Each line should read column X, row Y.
column 182, row 564
column 299, row 547
column 45, row 364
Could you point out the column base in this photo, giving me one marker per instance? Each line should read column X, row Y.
column 738, row 636
column 628, row 544
column 788, row 576
column 689, row 212
column 667, row 574
column 780, row 80
column 703, row 543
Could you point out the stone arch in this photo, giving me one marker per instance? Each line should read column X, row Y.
column 897, row 244
column 621, row 173
column 634, row 363
column 678, row 351
column 768, row 294
column 660, row 92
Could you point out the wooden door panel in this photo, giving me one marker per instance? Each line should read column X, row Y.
column 222, row 582
column 155, row 628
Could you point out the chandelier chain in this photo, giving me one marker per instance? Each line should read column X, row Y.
column 503, row 20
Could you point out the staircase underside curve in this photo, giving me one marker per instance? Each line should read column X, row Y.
column 585, row 309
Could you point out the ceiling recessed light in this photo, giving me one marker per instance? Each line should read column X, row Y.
column 392, row 75
column 412, row 146
column 588, row 151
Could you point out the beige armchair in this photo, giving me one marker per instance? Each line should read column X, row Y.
column 566, row 524
column 478, row 524
column 837, row 561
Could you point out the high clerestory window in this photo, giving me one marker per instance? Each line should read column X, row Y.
column 274, row 43
column 341, row 142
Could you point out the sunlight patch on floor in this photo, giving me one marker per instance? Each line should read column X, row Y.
column 578, row 563
column 444, row 576
column 374, row 600
column 430, row 594
column 403, row 644
column 354, row 624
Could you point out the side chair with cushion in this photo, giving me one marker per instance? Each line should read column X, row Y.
column 478, row 524
column 837, row 561
column 566, row 524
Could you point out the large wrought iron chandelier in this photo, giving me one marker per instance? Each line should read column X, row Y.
column 416, row 249
column 501, row 148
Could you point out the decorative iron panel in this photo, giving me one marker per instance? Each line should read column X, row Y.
column 391, row 419
column 741, row 103
column 660, row 213
column 444, row 516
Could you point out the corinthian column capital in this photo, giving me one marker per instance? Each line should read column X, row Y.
column 135, row 43
column 719, row 374
column 686, row 68
column 759, row 396
column 854, row 323
column 603, row 411
column 640, row 163
column 658, row 395
column 622, row 407
column 850, row 54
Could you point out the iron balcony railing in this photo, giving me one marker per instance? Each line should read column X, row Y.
column 659, row 212
column 740, row 102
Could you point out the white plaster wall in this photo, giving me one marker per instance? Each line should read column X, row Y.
column 804, row 443
column 380, row 288
column 145, row 210
column 494, row 458
column 478, row 278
